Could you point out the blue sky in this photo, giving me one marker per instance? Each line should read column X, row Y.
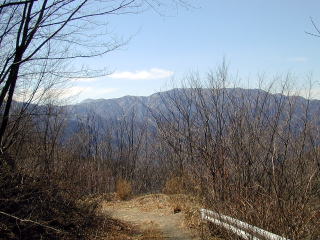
column 255, row 37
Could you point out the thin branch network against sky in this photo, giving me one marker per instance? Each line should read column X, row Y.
column 255, row 37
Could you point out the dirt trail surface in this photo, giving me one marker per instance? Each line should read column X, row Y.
column 151, row 212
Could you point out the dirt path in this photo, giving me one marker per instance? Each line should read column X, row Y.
column 151, row 212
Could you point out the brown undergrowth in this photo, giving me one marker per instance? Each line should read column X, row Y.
column 35, row 208
column 191, row 206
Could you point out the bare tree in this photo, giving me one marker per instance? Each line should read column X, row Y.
column 38, row 39
column 248, row 153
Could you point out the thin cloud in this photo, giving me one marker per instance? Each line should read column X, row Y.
column 61, row 95
column 313, row 93
column 87, row 80
column 153, row 73
column 44, row 93
column 74, row 91
column 298, row 59
column 105, row 90
column 88, row 90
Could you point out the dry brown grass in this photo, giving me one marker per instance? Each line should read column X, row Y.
column 35, row 208
column 156, row 203
column 123, row 189
column 174, row 185
column 191, row 206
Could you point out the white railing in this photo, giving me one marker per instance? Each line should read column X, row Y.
column 242, row 229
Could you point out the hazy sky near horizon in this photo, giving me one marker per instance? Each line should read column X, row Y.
column 254, row 36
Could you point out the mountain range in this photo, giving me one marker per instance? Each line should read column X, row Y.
column 117, row 108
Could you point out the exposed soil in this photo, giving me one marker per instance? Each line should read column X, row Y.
column 152, row 214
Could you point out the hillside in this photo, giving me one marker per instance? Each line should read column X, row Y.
column 145, row 109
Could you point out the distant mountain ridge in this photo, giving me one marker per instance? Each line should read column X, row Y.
column 117, row 107
column 107, row 112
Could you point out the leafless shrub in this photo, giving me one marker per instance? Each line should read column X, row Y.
column 174, row 185
column 123, row 189
column 33, row 209
column 252, row 155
